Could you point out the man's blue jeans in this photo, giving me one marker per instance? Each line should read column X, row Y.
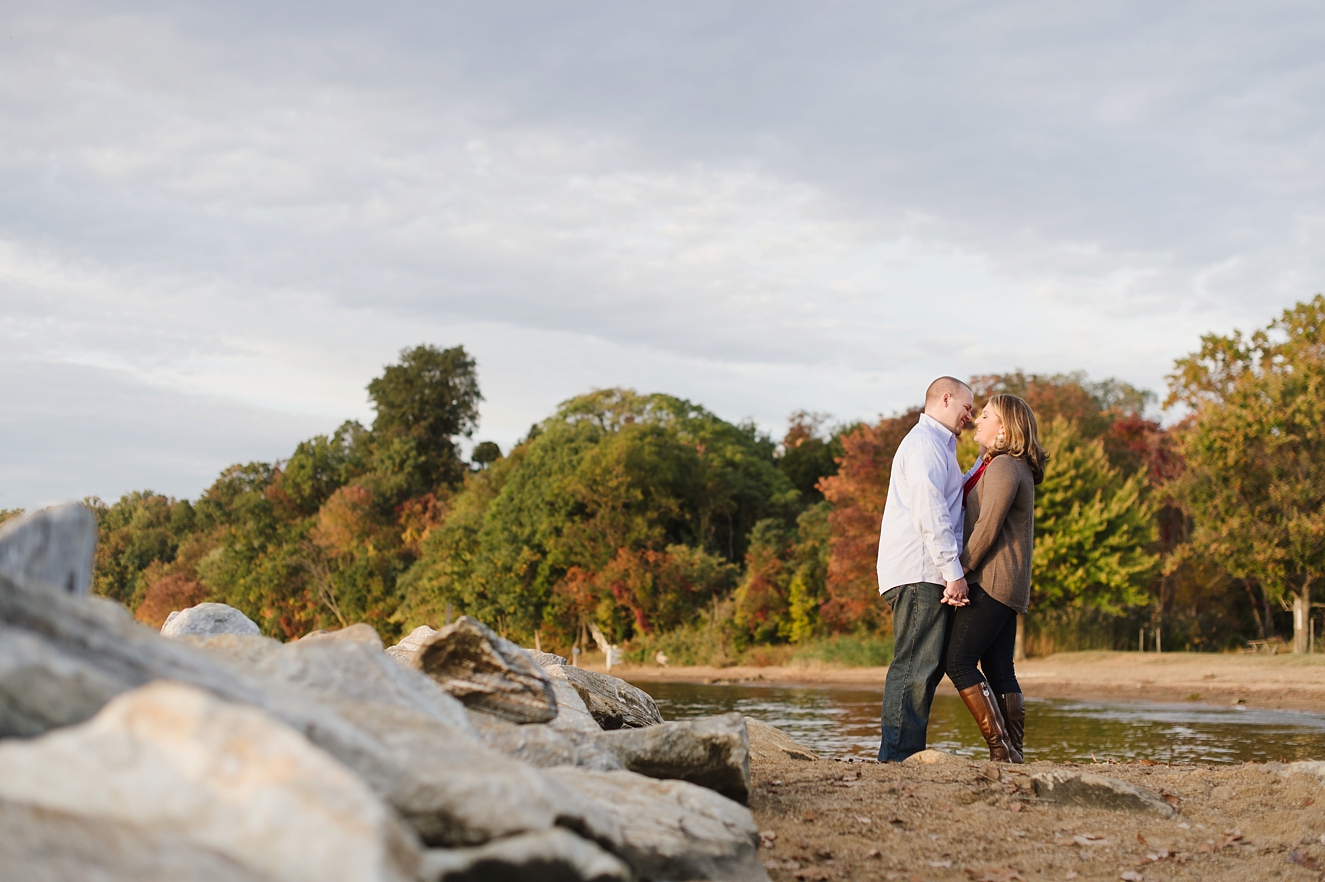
column 920, row 624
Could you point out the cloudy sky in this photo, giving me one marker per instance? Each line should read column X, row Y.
column 218, row 221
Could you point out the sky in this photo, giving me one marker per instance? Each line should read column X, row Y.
column 218, row 222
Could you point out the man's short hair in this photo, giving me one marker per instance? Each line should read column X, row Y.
column 944, row 386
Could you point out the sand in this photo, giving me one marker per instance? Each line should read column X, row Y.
column 972, row 820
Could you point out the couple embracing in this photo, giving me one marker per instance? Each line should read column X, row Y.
column 955, row 566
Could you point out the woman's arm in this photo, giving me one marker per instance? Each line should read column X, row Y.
column 996, row 497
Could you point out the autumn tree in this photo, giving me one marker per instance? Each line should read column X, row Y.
column 1254, row 481
column 857, row 494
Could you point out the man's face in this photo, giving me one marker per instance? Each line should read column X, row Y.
column 957, row 408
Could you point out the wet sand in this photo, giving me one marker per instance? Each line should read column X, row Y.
column 1282, row 682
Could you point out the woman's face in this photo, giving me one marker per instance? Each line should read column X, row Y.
column 988, row 427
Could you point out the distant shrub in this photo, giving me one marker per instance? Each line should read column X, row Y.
column 848, row 650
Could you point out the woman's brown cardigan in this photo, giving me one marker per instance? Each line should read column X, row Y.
column 1000, row 531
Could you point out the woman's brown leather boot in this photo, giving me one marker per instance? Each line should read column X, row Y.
column 980, row 702
column 1013, row 707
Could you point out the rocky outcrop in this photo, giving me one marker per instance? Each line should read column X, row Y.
column 405, row 650
column 226, row 778
column 346, row 666
column 712, row 752
column 486, row 672
column 192, row 757
column 543, row 745
column 43, row 845
column 550, row 856
column 1064, row 787
column 545, row 659
column 53, row 548
column 769, row 743
column 673, row 829
column 612, row 702
column 456, row 791
column 209, row 620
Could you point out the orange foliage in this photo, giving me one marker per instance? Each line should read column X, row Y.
column 166, row 595
column 345, row 520
column 857, row 493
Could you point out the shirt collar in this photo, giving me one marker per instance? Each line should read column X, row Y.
column 935, row 426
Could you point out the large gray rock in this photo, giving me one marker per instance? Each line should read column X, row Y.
column 544, row 746
column 41, row 845
column 350, row 667
column 459, row 792
column 769, row 743
column 359, row 633
column 406, row 649
column 245, row 650
column 573, row 715
column 63, row 658
column 550, row 856
column 53, row 548
column 486, row 672
column 673, row 829
column 224, row 777
column 614, row 703
column 208, row 620
column 1086, row 790
column 713, row 752
column 545, row 659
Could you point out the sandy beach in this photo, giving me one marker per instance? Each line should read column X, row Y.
column 1280, row 682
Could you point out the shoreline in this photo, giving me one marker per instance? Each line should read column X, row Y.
column 1283, row 682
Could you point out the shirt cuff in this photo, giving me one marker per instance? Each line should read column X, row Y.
column 952, row 570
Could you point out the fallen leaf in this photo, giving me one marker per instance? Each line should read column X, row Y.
column 873, row 853
column 991, row 772
column 1141, row 839
column 1089, row 839
column 1172, row 799
column 1015, row 807
column 1308, row 801
column 808, row 817
column 1145, row 762
column 1302, row 859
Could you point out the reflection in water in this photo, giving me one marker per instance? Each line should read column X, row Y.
column 845, row 722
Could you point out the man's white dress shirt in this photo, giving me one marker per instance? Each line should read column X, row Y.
column 920, row 539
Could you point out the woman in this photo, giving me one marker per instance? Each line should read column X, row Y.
column 999, row 532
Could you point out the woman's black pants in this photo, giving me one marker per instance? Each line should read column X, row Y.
column 984, row 632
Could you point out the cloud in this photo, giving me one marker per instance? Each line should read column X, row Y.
column 761, row 207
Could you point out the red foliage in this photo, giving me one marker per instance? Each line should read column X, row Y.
column 857, row 493
column 166, row 595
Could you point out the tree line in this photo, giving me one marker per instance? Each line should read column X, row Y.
column 664, row 527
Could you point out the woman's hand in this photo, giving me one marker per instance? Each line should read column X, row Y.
column 955, row 594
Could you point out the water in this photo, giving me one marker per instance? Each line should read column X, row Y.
column 838, row 722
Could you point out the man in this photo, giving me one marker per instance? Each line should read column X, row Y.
column 920, row 541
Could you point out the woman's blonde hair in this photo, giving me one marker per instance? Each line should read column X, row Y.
column 1021, row 433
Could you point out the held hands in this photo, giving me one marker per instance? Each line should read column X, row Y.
column 955, row 593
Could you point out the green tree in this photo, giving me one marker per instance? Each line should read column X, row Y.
column 611, row 470
column 428, row 399
column 1254, row 483
column 1093, row 529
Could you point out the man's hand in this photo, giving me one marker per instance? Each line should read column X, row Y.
column 955, row 593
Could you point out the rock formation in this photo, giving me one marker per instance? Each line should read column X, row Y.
column 220, row 754
column 209, row 620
